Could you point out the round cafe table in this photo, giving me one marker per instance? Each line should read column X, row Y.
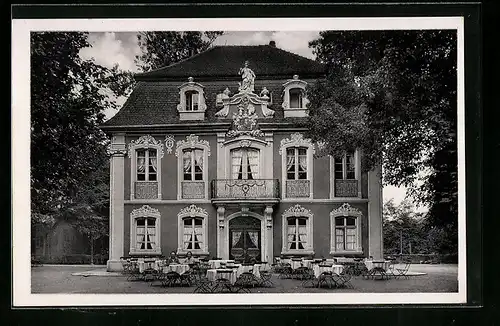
column 178, row 268
column 254, row 269
column 228, row 273
column 318, row 270
column 379, row 264
column 214, row 264
column 145, row 265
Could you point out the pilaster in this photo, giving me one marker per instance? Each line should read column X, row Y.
column 375, row 239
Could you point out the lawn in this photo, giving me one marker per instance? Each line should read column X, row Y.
column 59, row 279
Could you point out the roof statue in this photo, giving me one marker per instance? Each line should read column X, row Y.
column 248, row 79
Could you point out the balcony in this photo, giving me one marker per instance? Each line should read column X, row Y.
column 298, row 188
column 265, row 190
column 193, row 189
column 146, row 190
column 346, row 188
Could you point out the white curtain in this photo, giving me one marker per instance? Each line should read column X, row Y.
column 303, row 163
column 339, row 239
column 153, row 162
column 254, row 237
column 236, row 163
column 140, row 237
column 236, row 238
column 187, row 161
column 253, row 162
column 290, row 162
column 351, row 238
column 140, row 164
column 198, row 158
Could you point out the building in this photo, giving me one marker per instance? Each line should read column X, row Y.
column 208, row 156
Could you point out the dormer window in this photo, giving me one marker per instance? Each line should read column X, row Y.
column 294, row 98
column 192, row 101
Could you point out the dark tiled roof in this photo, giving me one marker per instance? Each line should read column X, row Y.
column 218, row 61
column 155, row 103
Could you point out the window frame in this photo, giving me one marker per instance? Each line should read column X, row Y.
column 184, row 90
column 245, row 163
column 145, row 142
column 296, row 155
column 192, row 142
column 357, row 173
column 292, row 84
column 192, row 212
column 297, row 140
column 139, row 213
column 346, row 211
column 297, row 211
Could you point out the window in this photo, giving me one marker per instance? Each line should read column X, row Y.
column 296, row 96
column 193, row 233
column 345, row 230
column 192, row 101
column 245, row 164
column 192, row 230
column 297, row 233
column 296, row 163
column 192, row 164
column 145, row 168
column 145, row 233
column 345, row 167
column 345, row 233
column 192, row 157
column 147, row 165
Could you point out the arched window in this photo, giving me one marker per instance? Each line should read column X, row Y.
column 294, row 98
column 191, row 101
column 345, row 230
column 245, row 164
column 192, row 155
column 145, row 156
column 297, row 231
column 297, row 166
column 193, row 228
column 145, row 231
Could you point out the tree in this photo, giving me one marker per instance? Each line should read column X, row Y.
column 161, row 49
column 392, row 94
column 68, row 97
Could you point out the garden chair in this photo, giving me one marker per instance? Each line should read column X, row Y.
column 285, row 271
column 247, row 279
column 171, row 279
column 343, row 280
column 326, row 279
column 309, row 279
column 399, row 270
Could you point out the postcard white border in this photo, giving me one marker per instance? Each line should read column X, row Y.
column 21, row 29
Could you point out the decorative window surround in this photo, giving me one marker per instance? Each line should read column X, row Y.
column 297, row 211
column 297, row 140
column 191, row 212
column 357, row 173
column 192, row 142
column 185, row 114
column 265, row 155
column 144, row 142
column 344, row 211
column 145, row 212
column 294, row 83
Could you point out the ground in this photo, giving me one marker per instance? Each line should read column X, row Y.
column 59, row 279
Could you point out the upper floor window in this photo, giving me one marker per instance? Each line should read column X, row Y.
column 145, row 156
column 294, row 98
column 345, row 167
column 245, row 163
column 297, row 166
column 147, row 165
column 192, row 101
column 193, row 164
column 296, row 163
column 144, row 231
column 192, row 155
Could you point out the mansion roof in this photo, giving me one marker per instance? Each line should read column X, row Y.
column 224, row 61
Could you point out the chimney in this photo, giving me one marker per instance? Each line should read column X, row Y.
column 272, row 43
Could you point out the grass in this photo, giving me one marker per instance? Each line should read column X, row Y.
column 59, row 279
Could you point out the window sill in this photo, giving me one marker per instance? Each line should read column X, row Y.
column 346, row 252
column 297, row 253
column 145, row 253
column 194, row 252
column 191, row 115
column 295, row 112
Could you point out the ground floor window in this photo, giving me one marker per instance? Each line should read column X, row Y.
column 297, row 233
column 193, row 233
column 145, row 233
column 345, row 233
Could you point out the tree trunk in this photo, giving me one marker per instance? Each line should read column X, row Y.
column 91, row 251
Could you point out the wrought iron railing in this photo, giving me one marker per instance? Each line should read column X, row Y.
column 298, row 188
column 245, row 189
column 146, row 190
column 193, row 189
column 346, row 188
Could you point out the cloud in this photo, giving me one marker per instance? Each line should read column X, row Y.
column 109, row 49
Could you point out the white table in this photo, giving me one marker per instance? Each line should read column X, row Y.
column 230, row 274
column 382, row 264
column 254, row 269
column 318, row 270
column 145, row 265
column 214, row 264
column 178, row 268
column 308, row 263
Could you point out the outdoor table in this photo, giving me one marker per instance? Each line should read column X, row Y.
column 296, row 264
column 344, row 260
column 145, row 265
column 307, row 262
column 178, row 268
column 318, row 269
column 377, row 267
column 227, row 273
column 159, row 264
column 214, row 264
column 246, row 269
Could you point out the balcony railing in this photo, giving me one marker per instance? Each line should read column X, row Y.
column 298, row 188
column 193, row 189
column 245, row 189
column 146, row 190
column 346, row 188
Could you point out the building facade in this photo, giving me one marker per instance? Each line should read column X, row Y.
column 209, row 156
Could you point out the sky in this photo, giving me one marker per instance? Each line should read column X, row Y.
column 120, row 48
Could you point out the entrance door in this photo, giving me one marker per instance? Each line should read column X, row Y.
column 244, row 239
